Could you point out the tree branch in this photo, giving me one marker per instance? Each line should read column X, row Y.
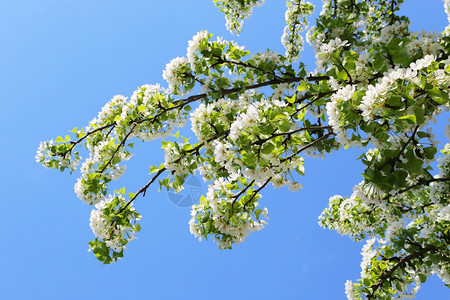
column 257, row 191
column 242, row 191
column 307, row 146
column 143, row 189
column 117, row 149
column 402, row 261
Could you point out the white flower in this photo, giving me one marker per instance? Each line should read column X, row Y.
column 220, row 153
column 394, row 229
column 278, row 181
column 174, row 74
column 295, row 186
column 193, row 47
column 442, row 272
column 235, row 128
column 422, row 63
column 447, row 11
column 116, row 102
column 349, row 290
column 367, row 254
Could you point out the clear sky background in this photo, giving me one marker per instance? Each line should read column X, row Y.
column 60, row 62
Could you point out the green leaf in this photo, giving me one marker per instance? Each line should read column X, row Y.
column 414, row 165
column 422, row 134
column 216, row 51
column 394, row 100
column 258, row 213
column 435, row 259
column 122, row 191
column 154, row 169
column 266, row 128
column 306, row 136
column 420, row 115
column 284, row 125
column 187, row 147
column 440, row 97
column 332, row 73
column 250, row 159
column 401, row 57
column 429, row 152
column 343, row 76
column 137, row 227
column 302, row 86
column 350, row 65
column 267, row 148
column 280, row 116
column 118, row 254
column 378, row 63
column 423, row 278
column 411, row 118
column 300, row 170
column 291, row 99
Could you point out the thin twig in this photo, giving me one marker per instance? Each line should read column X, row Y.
column 257, row 191
column 143, row 189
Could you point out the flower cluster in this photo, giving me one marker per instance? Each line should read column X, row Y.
column 114, row 224
column 236, row 11
column 336, row 104
column 220, row 215
column 58, row 155
column 177, row 75
column 296, row 22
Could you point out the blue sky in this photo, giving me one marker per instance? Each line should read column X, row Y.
column 60, row 61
